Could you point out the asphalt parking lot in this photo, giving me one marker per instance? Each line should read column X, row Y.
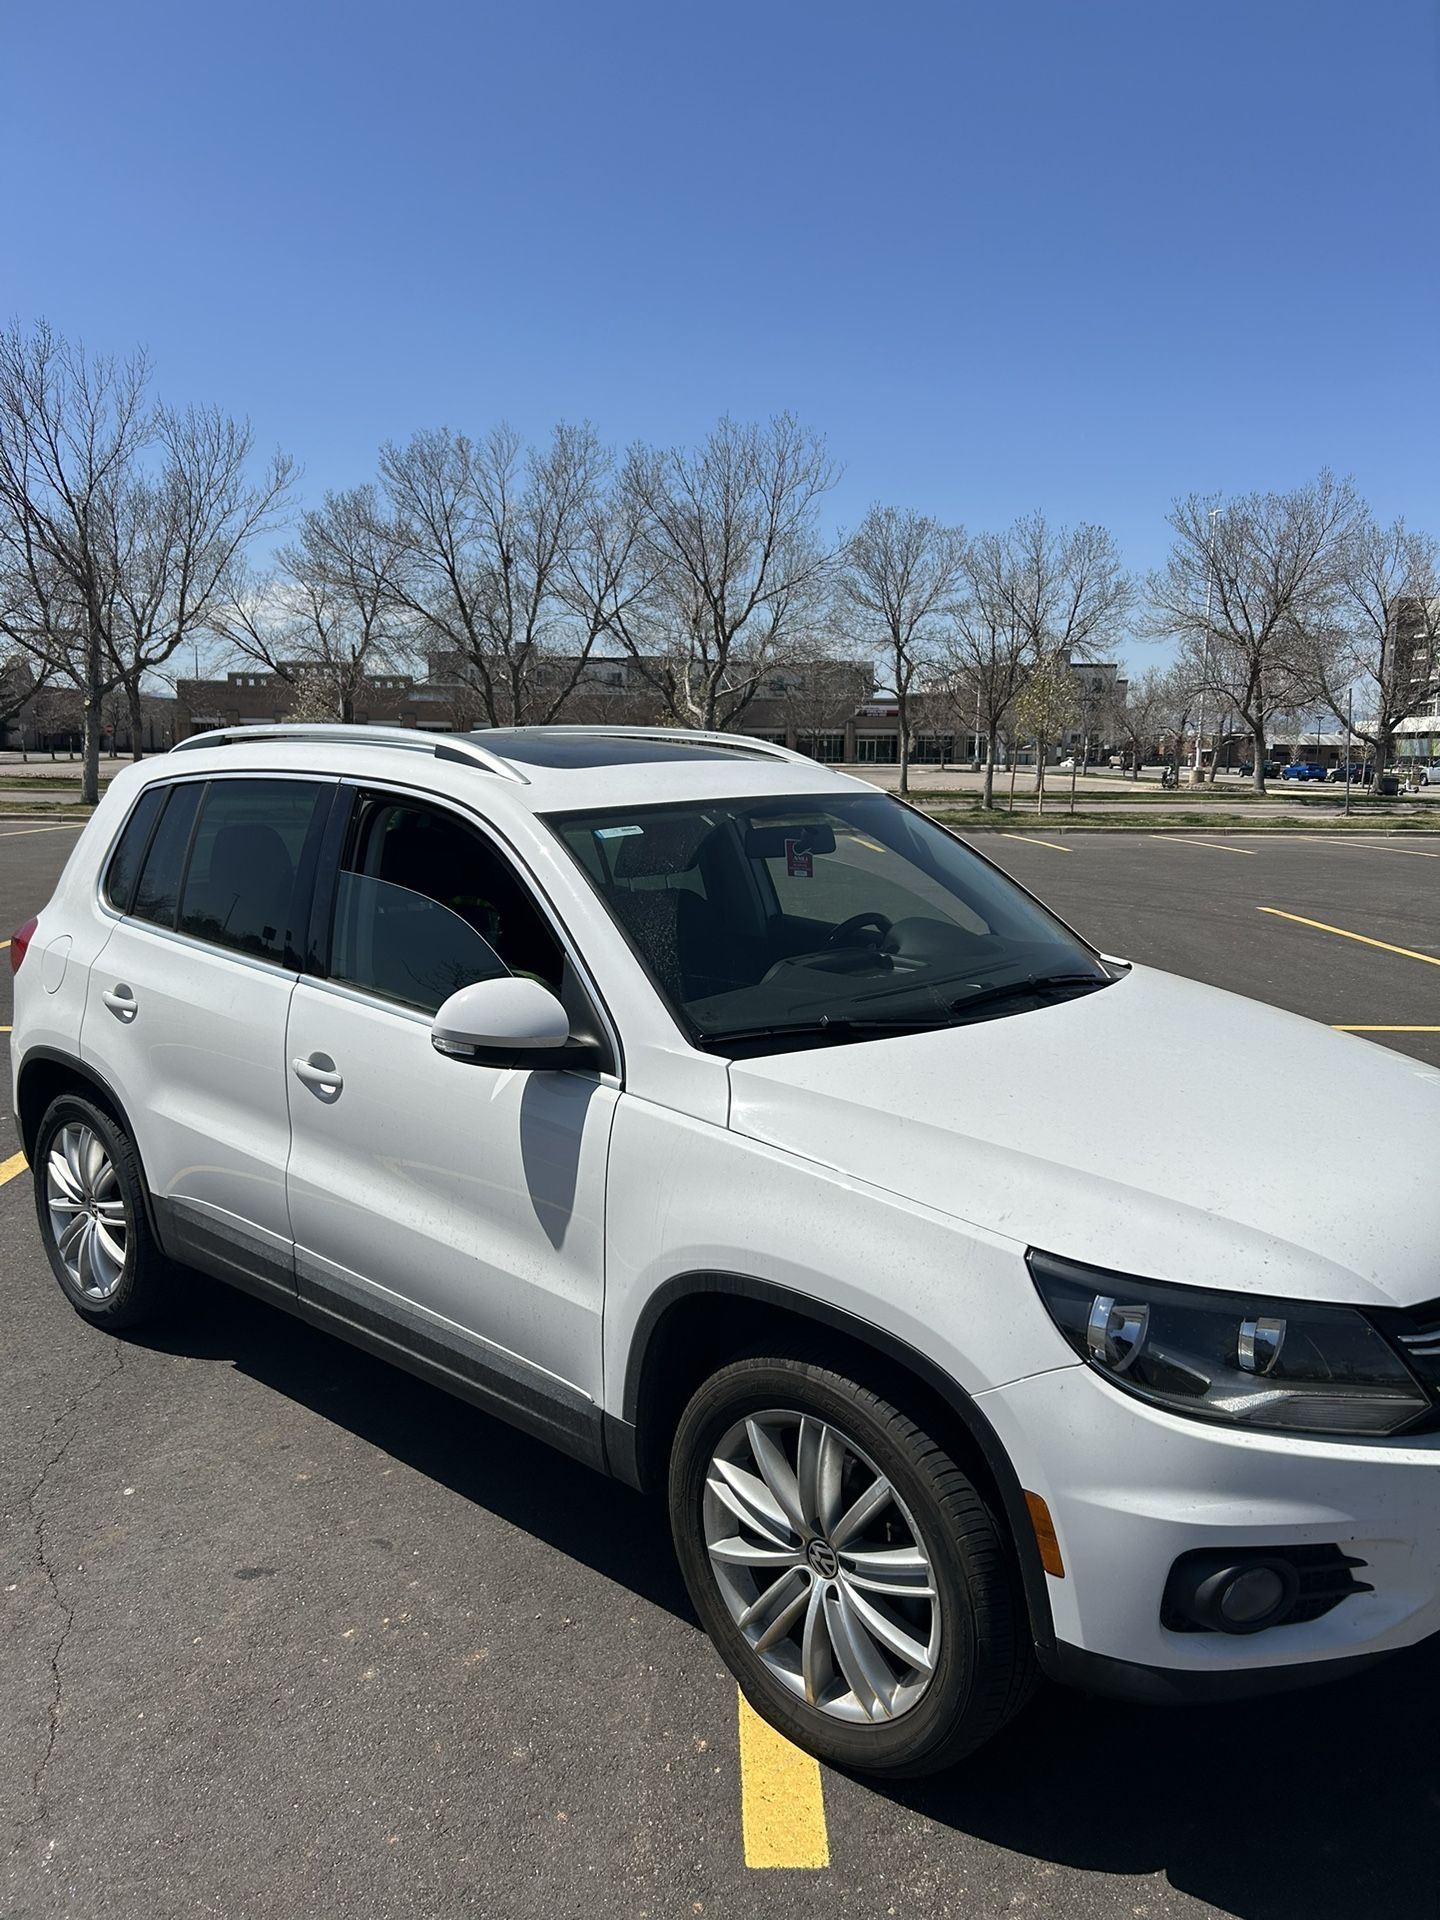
column 286, row 1630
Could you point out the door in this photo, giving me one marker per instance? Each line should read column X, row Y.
column 186, row 1010
column 454, row 1209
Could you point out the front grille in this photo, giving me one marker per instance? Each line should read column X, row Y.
column 1415, row 1331
column 1325, row 1580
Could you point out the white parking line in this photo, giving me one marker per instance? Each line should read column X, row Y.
column 1186, row 840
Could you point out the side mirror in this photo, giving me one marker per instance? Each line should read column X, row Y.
column 507, row 1022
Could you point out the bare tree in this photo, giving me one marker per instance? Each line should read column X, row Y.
column 71, row 430
column 987, row 649
column 900, row 575
column 735, row 572
column 1047, row 704
column 20, row 683
column 512, row 560
column 1246, row 594
column 821, row 684
column 327, row 624
column 1069, row 589
column 1384, row 645
column 175, row 535
column 1144, row 717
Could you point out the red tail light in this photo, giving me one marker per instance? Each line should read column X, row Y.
column 19, row 941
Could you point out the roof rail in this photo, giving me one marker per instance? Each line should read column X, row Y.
column 713, row 737
column 444, row 746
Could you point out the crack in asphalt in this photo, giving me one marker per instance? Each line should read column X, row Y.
column 67, row 1612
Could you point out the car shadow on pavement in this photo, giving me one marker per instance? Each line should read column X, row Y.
column 1321, row 1802
column 595, row 1520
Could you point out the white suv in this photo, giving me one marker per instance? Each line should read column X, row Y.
column 702, row 1111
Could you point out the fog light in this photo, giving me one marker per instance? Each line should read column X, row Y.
column 1250, row 1596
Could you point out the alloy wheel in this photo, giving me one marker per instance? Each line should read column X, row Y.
column 86, row 1210
column 821, row 1566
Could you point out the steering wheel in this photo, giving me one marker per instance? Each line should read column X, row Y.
column 841, row 934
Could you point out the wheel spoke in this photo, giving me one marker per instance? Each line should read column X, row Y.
column 112, row 1211
column 819, row 1463
column 748, row 1553
column 876, row 1497
column 68, row 1243
column 898, row 1570
column 861, row 1661
column 751, row 1501
column 93, row 1162
column 112, row 1250
column 817, row 1657
column 790, row 1583
column 85, row 1259
column 61, row 1177
column 778, row 1476
column 71, row 1144
column 888, row 1632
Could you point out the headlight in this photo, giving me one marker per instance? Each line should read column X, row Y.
column 1279, row 1364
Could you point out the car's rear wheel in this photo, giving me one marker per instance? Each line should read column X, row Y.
column 94, row 1223
column 854, row 1579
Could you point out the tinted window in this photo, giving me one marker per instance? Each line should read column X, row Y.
column 404, row 946
column 158, row 893
column 830, row 919
column 242, row 885
column 124, row 869
column 426, row 906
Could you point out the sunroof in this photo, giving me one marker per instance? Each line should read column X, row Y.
column 545, row 747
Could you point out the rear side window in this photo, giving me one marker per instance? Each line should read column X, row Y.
column 129, row 854
column 158, row 893
column 242, row 886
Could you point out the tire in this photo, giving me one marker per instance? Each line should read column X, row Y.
column 86, row 1167
column 903, row 1716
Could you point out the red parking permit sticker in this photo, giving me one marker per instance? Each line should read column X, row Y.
column 799, row 860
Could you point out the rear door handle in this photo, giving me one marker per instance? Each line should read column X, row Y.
column 320, row 1075
column 121, row 1002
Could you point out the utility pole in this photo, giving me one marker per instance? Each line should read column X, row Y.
column 1349, row 723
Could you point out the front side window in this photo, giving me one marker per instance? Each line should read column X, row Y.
column 772, row 922
column 425, row 905
column 242, row 885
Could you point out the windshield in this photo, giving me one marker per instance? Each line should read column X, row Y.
column 769, row 923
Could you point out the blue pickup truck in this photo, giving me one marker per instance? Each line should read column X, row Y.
column 1303, row 770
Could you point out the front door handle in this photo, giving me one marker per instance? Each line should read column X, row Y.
column 121, row 1002
column 320, row 1075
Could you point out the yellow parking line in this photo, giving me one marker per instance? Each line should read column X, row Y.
column 1034, row 840
column 1186, row 840
column 1409, row 953
column 12, row 1167
column 1385, row 1029
column 782, row 1803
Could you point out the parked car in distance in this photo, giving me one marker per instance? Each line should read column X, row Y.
column 1361, row 774
column 1430, row 776
column 1272, row 768
column 1303, row 770
column 666, row 1095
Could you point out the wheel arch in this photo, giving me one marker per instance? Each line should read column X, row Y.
column 45, row 1073
column 696, row 1321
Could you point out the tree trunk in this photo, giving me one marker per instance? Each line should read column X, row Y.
column 137, row 722
column 90, row 773
column 1039, row 776
column 903, row 716
column 1257, row 733
column 987, row 791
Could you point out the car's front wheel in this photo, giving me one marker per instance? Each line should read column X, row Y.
column 854, row 1579
column 94, row 1224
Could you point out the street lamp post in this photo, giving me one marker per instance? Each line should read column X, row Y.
column 1205, row 664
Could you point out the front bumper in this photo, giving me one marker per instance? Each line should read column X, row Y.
column 1130, row 1488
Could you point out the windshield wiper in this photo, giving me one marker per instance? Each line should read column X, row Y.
column 1033, row 983
column 840, row 1026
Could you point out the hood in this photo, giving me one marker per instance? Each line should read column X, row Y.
column 1158, row 1127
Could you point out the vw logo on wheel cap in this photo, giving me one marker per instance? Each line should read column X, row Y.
column 823, row 1559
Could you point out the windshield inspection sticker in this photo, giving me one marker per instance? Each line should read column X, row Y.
column 616, row 833
column 799, row 860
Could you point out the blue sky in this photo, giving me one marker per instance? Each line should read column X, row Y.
column 1078, row 256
